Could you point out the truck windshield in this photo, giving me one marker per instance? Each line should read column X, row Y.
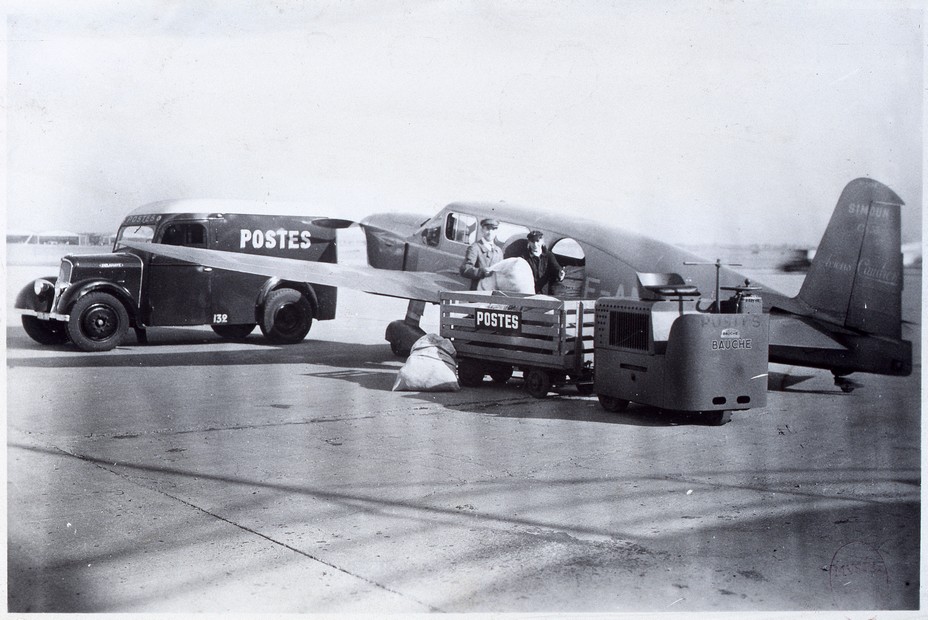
column 141, row 232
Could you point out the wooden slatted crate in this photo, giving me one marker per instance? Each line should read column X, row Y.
column 521, row 331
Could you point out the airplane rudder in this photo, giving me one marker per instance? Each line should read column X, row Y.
column 856, row 275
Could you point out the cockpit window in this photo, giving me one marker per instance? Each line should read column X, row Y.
column 189, row 234
column 461, row 227
column 568, row 252
column 508, row 233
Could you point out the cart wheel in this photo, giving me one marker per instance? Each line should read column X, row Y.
column 611, row 404
column 501, row 373
column 537, row 382
column 714, row 418
column 585, row 388
column 470, row 372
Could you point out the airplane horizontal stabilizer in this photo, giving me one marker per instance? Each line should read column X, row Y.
column 420, row 286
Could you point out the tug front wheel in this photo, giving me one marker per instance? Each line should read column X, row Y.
column 715, row 418
column 613, row 405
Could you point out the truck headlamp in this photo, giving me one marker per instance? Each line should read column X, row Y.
column 40, row 286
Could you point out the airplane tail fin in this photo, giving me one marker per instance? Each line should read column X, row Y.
column 856, row 275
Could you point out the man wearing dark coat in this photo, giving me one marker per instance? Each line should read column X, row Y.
column 544, row 266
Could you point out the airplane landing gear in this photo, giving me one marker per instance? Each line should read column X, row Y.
column 847, row 385
column 403, row 334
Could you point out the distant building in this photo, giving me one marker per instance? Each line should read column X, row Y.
column 20, row 236
column 58, row 237
column 912, row 254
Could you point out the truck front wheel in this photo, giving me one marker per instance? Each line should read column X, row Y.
column 287, row 317
column 45, row 332
column 98, row 322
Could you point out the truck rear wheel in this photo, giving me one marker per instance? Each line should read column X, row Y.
column 45, row 332
column 613, row 405
column 98, row 322
column 287, row 317
column 537, row 382
column 233, row 332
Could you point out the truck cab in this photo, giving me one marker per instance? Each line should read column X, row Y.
column 96, row 298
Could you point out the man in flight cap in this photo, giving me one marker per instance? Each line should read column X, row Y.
column 482, row 254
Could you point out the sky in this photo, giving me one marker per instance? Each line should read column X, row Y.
column 692, row 122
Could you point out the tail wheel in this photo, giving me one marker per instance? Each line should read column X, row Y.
column 45, row 332
column 98, row 322
column 613, row 405
column 501, row 373
column 233, row 332
column 537, row 382
column 470, row 372
column 287, row 316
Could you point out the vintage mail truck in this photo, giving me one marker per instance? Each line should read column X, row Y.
column 96, row 298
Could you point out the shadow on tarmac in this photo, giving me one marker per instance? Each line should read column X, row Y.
column 377, row 372
column 615, row 557
column 784, row 382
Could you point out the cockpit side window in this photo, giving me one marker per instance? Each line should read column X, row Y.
column 461, row 228
column 189, row 234
column 510, row 233
column 569, row 253
column 572, row 258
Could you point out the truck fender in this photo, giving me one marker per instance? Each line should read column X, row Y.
column 28, row 299
column 77, row 290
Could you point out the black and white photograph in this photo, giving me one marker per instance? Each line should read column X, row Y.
column 409, row 307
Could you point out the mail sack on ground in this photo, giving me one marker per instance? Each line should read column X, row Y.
column 430, row 367
column 513, row 275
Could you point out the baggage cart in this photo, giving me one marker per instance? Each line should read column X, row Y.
column 549, row 340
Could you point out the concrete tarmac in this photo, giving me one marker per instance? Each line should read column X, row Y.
column 191, row 474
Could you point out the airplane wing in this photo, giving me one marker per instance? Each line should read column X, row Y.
column 419, row 285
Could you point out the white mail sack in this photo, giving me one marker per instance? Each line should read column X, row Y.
column 430, row 367
column 512, row 275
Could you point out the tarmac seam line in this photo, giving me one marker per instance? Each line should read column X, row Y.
column 310, row 556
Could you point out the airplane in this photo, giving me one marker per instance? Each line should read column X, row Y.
column 846, row 317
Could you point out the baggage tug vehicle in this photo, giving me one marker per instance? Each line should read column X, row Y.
column 672, row 350
column 668, row 348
